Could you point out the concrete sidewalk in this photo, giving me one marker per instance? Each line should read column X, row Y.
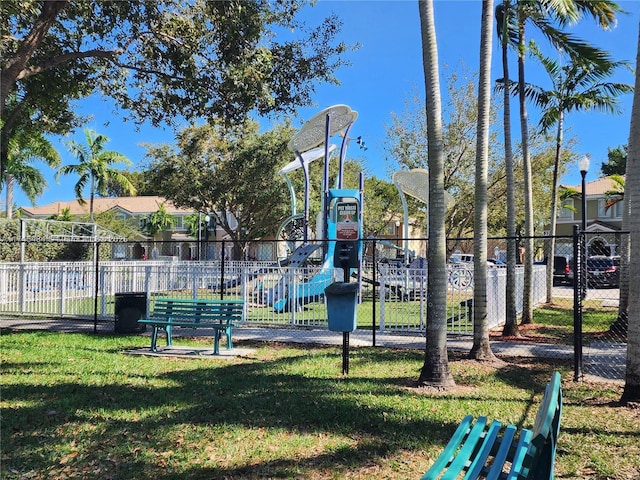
column 602, row 362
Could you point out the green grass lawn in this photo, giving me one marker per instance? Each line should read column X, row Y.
column 76, row 406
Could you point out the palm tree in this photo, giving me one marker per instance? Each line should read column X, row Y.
column 159, row 221
column 23, row 149
column 504, row 17
column 543, row 14
column 435, row 371
column 94, row 167
column 631, row 392
column 481, row 349
column 157, row 225
column 577, row 86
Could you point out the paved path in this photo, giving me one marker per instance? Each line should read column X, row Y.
column 602, row 361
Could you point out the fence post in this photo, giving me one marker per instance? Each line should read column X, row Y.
column 578, row 289
column 373, row 300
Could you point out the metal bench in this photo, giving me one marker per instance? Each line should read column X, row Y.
column 220, row 315
column 479, row 449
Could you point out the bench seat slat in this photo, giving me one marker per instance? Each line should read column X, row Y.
column 470, row 445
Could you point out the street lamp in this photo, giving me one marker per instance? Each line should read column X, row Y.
column 584, row 168
column 207, row 219
column 578, row 296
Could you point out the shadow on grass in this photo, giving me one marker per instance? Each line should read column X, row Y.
column 189, row 419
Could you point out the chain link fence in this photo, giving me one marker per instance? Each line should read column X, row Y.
column 77, row 280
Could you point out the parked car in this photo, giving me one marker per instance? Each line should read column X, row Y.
column 603, row 271
column 562, row 269
column 461, row 258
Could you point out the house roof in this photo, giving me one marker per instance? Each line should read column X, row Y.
column 132, row 205
column 597, row 187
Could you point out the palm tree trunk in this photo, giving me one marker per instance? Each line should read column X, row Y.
column 631, row 391
column 91, row 195
column 511, row 314
column 481, row 349
column 9, row 181
column 551, row 244
column 435, row 371
column 527, row 294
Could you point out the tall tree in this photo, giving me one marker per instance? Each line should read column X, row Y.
column 161, row 61
column 481, row 349
column 435, row 370
column 505, row 28
column 631, row 391
column 25, row 148
column 94, row 168
column 579, row 85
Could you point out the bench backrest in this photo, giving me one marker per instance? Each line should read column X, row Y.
column 199, row 310
column 538, row 464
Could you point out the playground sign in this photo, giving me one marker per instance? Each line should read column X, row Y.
column 347, row 226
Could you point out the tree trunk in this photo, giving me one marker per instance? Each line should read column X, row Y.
column 631, row 391
column 511, row 314
column 527, row 293
column 435, row 371
column 481, row 349
column 551, row 244
column 9, row 180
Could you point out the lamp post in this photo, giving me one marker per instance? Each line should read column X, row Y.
column 584, row 168
column 207, row 219
column 579, row 295
column 199, row 235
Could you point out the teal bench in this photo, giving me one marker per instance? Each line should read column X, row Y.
column 219, row 315
column 482, row 449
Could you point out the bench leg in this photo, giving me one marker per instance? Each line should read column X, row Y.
column 169, row 335
column 154, row 339
column 216, row 342
column 229, row 343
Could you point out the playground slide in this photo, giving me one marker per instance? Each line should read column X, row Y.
column 286, row 293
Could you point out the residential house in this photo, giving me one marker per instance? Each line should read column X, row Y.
column 603, row 225
column 181, row 245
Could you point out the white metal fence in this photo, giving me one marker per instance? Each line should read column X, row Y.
column 274, row 296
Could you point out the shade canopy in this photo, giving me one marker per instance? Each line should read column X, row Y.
column 415, row 183
column 313, row 132
column 307, row 157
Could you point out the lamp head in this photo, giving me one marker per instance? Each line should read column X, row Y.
column 584, row 164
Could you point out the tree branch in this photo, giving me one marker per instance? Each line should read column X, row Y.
column 28, row 46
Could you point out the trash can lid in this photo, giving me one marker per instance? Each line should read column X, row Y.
column 341, row 288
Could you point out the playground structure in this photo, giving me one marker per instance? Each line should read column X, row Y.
column 335, row 221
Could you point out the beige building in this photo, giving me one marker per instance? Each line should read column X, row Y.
column 138, row 209
column 602, row 224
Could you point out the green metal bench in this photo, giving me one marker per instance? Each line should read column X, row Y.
column 479, row 449
column 220, row 315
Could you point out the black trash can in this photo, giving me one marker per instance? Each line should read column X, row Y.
column 129, row 308
column 342, row 303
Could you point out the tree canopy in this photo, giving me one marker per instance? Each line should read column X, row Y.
column 214, row 170
column 616, row 161
column 159, row 60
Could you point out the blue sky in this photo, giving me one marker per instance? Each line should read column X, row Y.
column 385, row 71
